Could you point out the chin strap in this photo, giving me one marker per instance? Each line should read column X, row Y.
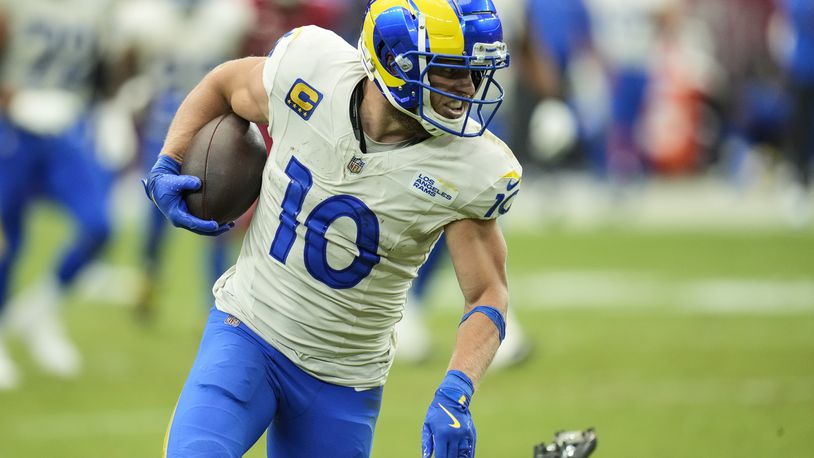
column 355, row 115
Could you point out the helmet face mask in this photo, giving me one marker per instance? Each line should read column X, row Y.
column 479, row 106
column 404, row 41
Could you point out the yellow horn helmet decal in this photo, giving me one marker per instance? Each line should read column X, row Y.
column 443, row 27
column 444, row 32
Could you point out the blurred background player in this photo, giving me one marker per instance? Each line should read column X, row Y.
column 799, row 65
column 52, row 52
column 625, row 37
column 177, row 47
column 558, row 37
column 176, row 42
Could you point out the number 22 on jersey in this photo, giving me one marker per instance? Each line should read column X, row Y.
column 317, row 223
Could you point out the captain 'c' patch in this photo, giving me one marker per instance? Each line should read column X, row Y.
column 303, row 99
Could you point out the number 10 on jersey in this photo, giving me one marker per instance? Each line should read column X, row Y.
column 317, row 223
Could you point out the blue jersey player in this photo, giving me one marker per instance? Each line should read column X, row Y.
column 50, row 51
column 377, row 152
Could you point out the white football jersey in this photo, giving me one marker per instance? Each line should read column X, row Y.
column 49, row 57
column 339, row 235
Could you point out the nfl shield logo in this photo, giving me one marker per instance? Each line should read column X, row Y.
column 232, row 321
column 355, row 165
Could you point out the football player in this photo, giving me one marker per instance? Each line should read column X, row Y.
column 50, row 53
column 377, row 152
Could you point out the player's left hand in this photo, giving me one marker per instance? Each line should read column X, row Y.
column 448, row 427
column 165, row 186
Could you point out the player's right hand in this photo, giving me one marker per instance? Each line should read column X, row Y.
column 448, row 428
column 165, row 186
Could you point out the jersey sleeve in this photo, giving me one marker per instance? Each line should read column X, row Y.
column 497, row 186
column 497, row 199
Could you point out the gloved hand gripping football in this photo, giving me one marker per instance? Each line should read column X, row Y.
column 165, row 186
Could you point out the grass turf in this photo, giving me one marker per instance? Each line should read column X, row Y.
column 655, row 381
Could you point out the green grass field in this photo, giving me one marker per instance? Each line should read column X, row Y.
column 669, row 344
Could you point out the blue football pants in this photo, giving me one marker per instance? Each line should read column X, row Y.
column 240, row 386
column 63, row 169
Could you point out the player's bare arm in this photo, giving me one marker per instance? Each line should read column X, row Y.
column 235, row 86
column 478, row 254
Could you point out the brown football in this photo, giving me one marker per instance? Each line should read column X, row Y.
column 228, row 155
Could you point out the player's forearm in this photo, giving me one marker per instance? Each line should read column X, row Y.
column 478, row 254
column 475, row 347
column 202, row 104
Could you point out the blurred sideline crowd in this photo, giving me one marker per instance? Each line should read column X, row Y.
column 620, row 90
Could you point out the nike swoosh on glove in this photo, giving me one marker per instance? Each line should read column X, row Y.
column 165, row 186
column 448, row 428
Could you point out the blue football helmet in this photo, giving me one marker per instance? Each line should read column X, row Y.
column 402, row 40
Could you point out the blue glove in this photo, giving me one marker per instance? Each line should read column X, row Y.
column 165, row 186
column 448, row 427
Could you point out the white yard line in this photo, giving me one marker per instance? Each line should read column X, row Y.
column 577, row 201
column 570, row 289
column 620, row 290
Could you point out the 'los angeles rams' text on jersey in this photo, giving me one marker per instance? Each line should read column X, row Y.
column 339, row 235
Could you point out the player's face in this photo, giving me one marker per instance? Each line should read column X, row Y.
column 454, row 81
